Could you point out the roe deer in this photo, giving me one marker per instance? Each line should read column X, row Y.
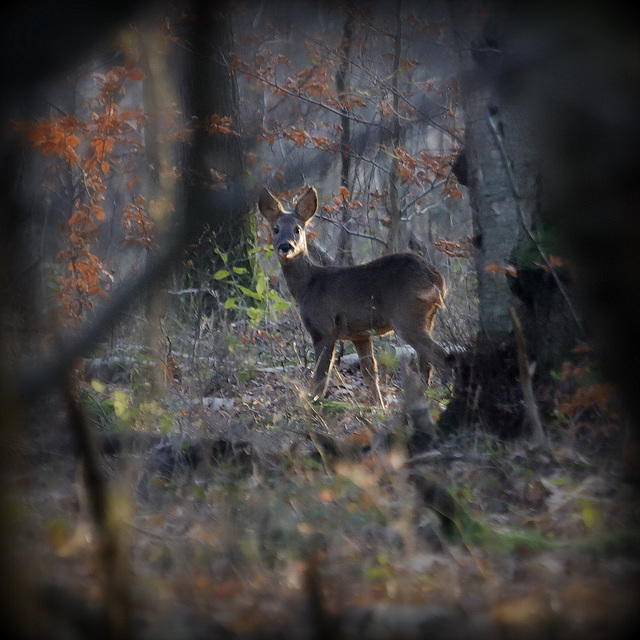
column 399, row 292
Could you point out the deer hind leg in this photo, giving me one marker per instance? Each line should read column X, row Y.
column 430, row 353
column 325, row 354
column 369, row 367
column 426, row 369
column 424, row 363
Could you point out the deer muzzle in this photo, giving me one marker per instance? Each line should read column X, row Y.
column 286, row 250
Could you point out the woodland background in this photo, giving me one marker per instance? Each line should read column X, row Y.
column 164, row 473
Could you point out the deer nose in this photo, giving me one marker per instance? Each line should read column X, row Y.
column 285, row 248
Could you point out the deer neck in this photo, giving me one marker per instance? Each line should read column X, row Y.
column 298, row 273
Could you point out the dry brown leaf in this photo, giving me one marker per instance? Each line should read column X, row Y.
column 531, row 610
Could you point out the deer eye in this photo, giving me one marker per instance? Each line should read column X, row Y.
column 276, row 230
column 297, row 231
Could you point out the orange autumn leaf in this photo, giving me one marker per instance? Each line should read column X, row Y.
column 131, row 183
column 582, row 347
column 326, row 495
column 498, row 268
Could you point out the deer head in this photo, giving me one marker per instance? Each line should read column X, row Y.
column 288, row 229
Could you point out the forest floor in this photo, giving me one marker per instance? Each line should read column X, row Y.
column 253, row 513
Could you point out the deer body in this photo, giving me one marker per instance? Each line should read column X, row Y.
column 399, row 292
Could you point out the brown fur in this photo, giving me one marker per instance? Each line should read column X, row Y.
column 400, row 292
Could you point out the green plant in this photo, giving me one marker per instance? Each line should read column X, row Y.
column 261, row 301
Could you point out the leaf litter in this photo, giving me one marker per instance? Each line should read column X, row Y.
column 323, row 526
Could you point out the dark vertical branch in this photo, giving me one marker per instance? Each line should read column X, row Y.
column 116, row 565
column 215, row 198
column 393, row 240
column 345, row 254
column 211, row 89
column 158, row 90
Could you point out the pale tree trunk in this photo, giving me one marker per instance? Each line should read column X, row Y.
column 501, row 172
column 501, row 181
column 503, row 176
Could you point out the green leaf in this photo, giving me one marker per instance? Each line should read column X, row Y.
column 240, row 270
column 377, row 574
column 590, row 516
column 250, row 293
column 223, row 256
column 231, row 303
column 261, row 286
column 98, row 386
column 255, row 315
column 120, row 403
column 166, row 422
column 150, row 407
column 281, row 305
column 221, row 275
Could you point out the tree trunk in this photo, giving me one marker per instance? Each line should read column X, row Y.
column 500, row 178
column 217, row 212
column 344, row 254
column 500, row 168
column 395, row 238
column 489, row 130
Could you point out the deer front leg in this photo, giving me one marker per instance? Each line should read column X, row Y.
column 325, row 352
column 369, row 367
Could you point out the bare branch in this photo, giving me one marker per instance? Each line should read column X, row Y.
column 357, row 234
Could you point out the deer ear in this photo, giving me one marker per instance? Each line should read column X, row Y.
column 269, row 206
column 307, row 205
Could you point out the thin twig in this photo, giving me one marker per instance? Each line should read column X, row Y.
column 349, row 231
column 422, row 116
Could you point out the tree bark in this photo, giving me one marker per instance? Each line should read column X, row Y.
column 344, row 254
column 503, row 176
column 495, row 207
column 215, row 196
column 502, row 187
column 395, row 240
